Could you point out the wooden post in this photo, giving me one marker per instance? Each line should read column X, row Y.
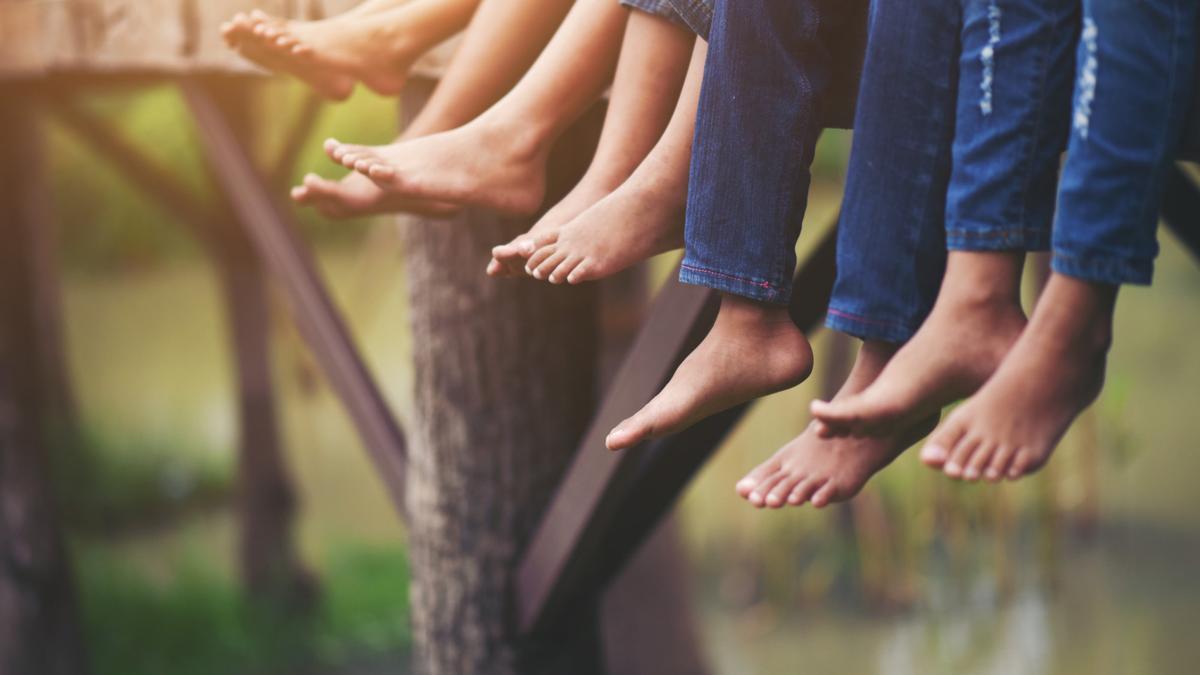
column 39, row 626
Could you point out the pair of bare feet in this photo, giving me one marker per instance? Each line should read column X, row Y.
column 331, row 55
column 1026, row 383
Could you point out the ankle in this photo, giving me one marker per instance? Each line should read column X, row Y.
column 1076, row 315
column 738, row 313
column 986, row 280
column 521, row 139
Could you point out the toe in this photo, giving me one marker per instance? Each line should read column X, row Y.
column 978, row 462
column 759, row 496
column 299, row 194
column 539, row 256
column 805, row 490
column 937, row 449
column 746, row 485
column 630, row 432
column 998, row 467
column 381, row 170
column 958, row 456
column 824, row 496
column 779, row 494
column 1023, row 463
column 563, row 272
column 837, row 417
column 543, row 270
column 585, row 271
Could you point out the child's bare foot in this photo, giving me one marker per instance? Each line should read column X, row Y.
column 508, row 260
column 1054, row 371
column 823, row 471
column 752, row 350
column 642, row 218
column 480, row 164
column 974, row 323
column 356, row 195
column 333, row 54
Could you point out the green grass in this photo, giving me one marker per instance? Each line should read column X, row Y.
column 198, row 623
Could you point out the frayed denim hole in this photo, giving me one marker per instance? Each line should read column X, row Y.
column 988, row 57
column 1087, row 79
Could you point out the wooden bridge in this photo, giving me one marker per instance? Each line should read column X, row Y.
column 52, row 52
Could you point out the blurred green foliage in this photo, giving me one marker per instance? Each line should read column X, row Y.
column 199, row 623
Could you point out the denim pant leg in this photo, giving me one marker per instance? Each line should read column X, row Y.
column 664, row 9
column 1012, row 122
column 891, row 249
column 756, row 129
column 697, row 14
column 1135, row 82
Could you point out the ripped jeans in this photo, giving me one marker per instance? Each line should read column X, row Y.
column 958, row 144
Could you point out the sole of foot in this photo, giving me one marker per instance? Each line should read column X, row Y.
column 330, row 55
column 630, row 225
column 1055, row 371
column 753, row 350
column 356, row 196
column 954, row 352
column 467, row 166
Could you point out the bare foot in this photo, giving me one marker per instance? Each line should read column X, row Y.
column 508, row 260
column 480, row 164
column 752, row 350
column 823, row 471
column 356, row 195
column 974, row 323
column 642, row 218
column 1054, row 372
column 331, row 55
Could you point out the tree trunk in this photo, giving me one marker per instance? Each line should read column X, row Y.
column 39, row 628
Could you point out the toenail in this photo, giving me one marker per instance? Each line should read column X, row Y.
column 952, row 468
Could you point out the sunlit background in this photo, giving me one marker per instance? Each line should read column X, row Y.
column 1089, row 567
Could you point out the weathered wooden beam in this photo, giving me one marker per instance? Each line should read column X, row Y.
column 608, row 501
column 290, row 263
column 155, row 180
column 40, row 630
column 1181, row 209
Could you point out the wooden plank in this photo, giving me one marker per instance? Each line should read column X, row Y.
column 608, row 501
column 1181, row 209
column 40, row 38
column 290, row 262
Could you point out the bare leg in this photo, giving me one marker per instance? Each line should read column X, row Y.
column 1054, row 371
column 753, row 350
column 650, row 72
column 500, row 44
column 975, row 321
column 498, row 160
column 375, row 44
column 823, row 471
column 642, row 218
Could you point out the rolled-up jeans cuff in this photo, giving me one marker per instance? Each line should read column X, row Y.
column 972, row 237
column 1103, row 269
column 869, row 327
column 664, row 9
column 753, row 289
column 696, row 14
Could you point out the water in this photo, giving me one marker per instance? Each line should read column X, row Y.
column 1088, row 568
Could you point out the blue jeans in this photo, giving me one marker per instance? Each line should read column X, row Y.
column 776, row 73
column 695, row 14
column 1136, row 74
column 957, row 146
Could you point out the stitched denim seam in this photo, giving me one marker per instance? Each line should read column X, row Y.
column 732, row 277
column 862, row 319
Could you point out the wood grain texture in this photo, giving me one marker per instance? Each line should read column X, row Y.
column 39, row 38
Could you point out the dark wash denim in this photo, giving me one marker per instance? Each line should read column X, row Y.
column 958, row 147
column 891, row 250
column 775, row 75
column 1135, row 85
